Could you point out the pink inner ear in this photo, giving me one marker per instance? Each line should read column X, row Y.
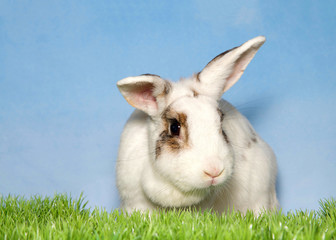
column 142, row 97
column 147, row 94
column 238, row 69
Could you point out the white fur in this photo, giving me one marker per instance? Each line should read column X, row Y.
column 208, row 172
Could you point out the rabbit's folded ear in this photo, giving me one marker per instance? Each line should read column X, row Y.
column 225, row 70
column 142, row 92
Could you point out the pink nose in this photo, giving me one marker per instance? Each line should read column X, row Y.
column 214, row 173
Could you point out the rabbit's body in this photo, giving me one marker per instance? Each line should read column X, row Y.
column 186, row 147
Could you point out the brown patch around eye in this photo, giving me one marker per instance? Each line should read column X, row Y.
column 182, row 118
column 168, row 141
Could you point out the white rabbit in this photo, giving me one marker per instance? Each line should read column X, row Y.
column 185, row 146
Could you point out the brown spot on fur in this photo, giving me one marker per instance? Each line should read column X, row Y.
column 158, row 149
column 225, row 137
column 195, row 93
column 253, row 140
column 167, row 140
column 253, row 136
column 221, row 115
column 167, row 88
column 197, row 77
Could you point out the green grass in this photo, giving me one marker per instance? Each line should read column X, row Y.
column 62, row 217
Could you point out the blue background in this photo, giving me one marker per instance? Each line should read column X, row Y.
column 61, row 114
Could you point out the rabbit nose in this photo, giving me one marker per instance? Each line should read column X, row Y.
column 213, row 173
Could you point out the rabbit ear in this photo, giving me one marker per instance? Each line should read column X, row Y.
column 142, row 92
column 224, row 71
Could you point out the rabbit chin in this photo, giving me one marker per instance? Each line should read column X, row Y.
column 165, row 194
column 170, row 196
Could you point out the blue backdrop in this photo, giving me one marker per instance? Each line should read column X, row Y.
column 61, row 114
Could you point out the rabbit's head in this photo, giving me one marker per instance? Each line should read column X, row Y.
column 187, row 144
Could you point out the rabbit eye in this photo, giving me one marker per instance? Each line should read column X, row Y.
column 175, row 128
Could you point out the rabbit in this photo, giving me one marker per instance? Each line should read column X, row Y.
column 185, row 147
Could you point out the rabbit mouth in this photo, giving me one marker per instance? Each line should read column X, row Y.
column 213, row 182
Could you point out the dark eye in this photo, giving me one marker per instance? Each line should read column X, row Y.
column 175, row 128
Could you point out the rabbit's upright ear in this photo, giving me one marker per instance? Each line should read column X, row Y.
column 142, row 92
column 225, row 70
